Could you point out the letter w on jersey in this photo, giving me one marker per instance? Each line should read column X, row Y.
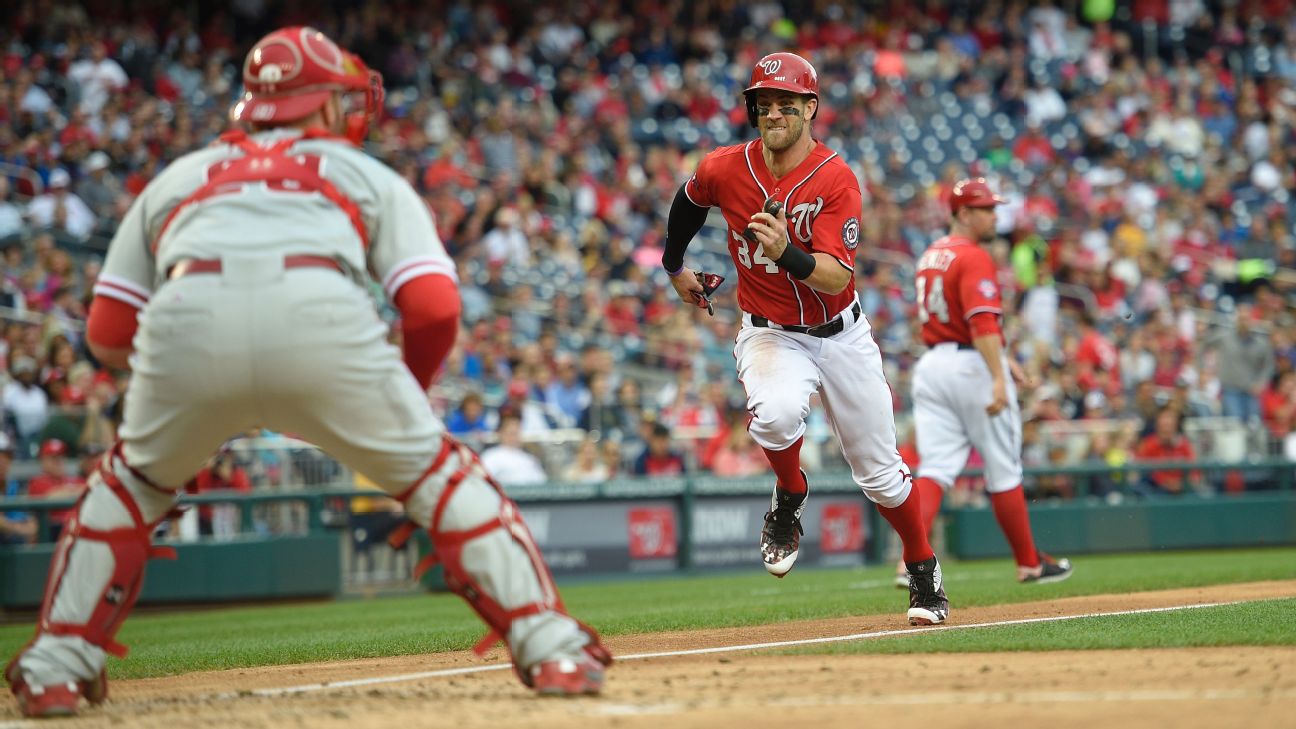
column 803, row 216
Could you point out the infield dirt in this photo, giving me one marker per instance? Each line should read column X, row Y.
column 1183, row 688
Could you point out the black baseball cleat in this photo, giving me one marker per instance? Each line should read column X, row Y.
column 927, row 602
column 781, row 535
column 1048, row 570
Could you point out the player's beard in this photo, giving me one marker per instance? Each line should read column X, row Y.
column 783, row 137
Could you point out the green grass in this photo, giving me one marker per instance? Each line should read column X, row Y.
column 172, row 643
column 1255, row 623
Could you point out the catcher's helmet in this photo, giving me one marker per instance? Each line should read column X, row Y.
column 972, row 192
column 785, row 71
column 291, row 72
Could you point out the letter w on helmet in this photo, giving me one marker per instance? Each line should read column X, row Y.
column 784, row 71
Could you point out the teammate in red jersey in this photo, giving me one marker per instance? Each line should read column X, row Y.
column 803, row 330
column 963, row 393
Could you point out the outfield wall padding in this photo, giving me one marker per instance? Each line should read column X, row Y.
column 1188, row 522
column 241, row 569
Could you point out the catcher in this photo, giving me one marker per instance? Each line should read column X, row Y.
column 234, row 290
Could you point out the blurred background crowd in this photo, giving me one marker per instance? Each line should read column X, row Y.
column 1147, row 252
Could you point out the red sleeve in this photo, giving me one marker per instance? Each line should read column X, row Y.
column 978, row 289
column 112, row 323
column 983, row 323
column 698, row 188
column 429, row 308
column 239, row 480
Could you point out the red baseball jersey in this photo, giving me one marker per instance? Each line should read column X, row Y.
column 956, row 280
column 823, row 203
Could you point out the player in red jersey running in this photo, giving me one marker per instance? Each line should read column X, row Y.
column 803, row 330
column 963, row 387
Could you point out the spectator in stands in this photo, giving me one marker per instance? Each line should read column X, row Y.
column 26, row 403
column 1166, row 443
column 579, row 174
column 100, row 189
column 601, row 414
column 731, row 452
column 372, row 519
column 587, row 466
column 16, row 527
column 221, row 473
column 506, row 244
column 1055, row 485
column 54, row 482
column 566, row 396
column 1246, row 364
column 471, row 419
column 659, row 459
column 611, row 456
column 1097, row 359
column 96, row 78
column 61, row 210
column 1278, row 405
column 11, row 216
column 508, row 462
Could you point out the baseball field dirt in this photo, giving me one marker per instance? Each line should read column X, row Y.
column 1190, row 687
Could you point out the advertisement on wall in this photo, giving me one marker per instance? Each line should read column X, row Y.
column 609, row 536
column 646, row 535
column 726, row 531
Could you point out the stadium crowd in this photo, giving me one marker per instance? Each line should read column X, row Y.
column 1147, row 150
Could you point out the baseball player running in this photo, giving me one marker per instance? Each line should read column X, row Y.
column 963, row 393
column 803, row 331
column 234, row 286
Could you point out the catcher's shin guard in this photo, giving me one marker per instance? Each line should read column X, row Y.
column 505, row 580
column 95, row 576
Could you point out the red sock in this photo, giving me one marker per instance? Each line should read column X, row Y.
column 907, row 520
column 787, row 466
column 1010, row 511
column 932, row 494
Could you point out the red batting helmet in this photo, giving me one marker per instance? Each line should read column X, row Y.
column 785, row 71
column 972, row 192
column 291, row 72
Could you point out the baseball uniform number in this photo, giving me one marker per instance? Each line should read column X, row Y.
column 746, row 258
column 932, row 303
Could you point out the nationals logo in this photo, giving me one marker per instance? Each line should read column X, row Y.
column 803, row 216
column 987, row 288
column 771, row 66
column 841, row 528
column 652, row 532
column 850, row 234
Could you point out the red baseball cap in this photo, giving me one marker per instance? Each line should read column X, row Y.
column 972, row 192
column 53, row 447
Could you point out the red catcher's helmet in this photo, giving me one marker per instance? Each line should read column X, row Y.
column 291, row 72
column 785, row 71
column 973, row 192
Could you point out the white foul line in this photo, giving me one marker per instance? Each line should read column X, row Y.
column 955, row 698
column 719, row 649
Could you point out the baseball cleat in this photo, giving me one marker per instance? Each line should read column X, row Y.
column 568, row 677
column 780, row 539
column 62, row 699
column 1048, row 570
column 927, row 602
